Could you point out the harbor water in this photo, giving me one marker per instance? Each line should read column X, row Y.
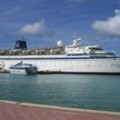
column 98, row 92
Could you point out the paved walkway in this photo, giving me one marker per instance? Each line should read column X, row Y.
column 24, row 111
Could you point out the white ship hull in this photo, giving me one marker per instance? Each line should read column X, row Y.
column 66, row 64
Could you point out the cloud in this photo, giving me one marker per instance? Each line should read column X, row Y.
column 111, row 26
column 38, row 28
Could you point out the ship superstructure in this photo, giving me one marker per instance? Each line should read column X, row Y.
column 69, row 59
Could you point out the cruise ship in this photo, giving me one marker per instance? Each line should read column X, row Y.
column 74, row 58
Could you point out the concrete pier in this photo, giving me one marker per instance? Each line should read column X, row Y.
column 10, row 110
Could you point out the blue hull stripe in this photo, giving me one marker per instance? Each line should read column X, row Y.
column 56, row 58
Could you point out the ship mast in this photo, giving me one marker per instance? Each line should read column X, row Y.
column 76, row 40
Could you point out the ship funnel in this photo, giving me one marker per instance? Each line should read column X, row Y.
column 20, row 44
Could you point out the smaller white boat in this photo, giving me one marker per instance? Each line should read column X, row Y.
column 1, row 65
column 23, row 68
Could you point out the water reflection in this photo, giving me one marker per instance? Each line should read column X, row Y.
column 82, row 91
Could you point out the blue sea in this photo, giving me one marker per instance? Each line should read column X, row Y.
column 98, row 92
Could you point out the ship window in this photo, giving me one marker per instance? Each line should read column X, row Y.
column 76, row 54
column 95, row 48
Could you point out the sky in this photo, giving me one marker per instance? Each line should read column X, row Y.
column 43, row 22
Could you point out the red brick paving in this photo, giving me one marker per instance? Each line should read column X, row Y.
column 19, row 112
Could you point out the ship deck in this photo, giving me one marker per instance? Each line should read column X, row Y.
column 24, row 111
